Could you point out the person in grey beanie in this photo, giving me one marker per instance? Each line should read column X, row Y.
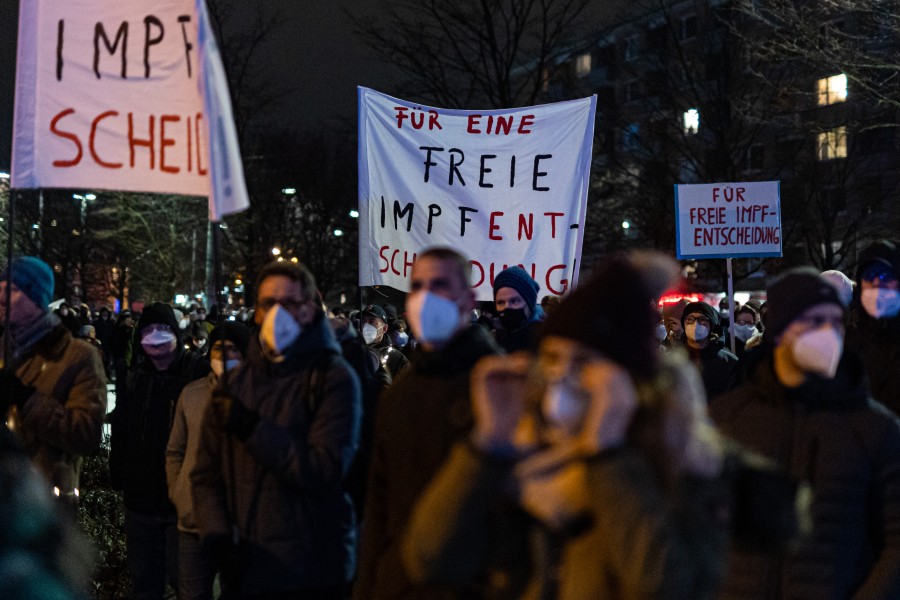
column 52, row 386
column 805, row 404
column 515, row 298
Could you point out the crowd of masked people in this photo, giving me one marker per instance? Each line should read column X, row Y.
column 587, row 447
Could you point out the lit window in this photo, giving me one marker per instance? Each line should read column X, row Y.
column 832, row 89
column 691, row 121
column 832, row 144
column 583, row 64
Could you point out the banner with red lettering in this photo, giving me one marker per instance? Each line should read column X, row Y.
column 124, row 96
column 504, row 187
column 728, row 220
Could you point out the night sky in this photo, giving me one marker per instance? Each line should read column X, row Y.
column 314, row 51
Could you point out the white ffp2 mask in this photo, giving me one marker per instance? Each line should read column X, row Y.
column 880, row 303
column 434, row 319
column 819, row 351
column 279, row 330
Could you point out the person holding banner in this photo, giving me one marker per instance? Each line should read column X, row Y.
column 420, row 417
column 806, row 405
column 515, row 298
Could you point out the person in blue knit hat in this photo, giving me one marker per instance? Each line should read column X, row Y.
column 515, row 298
column 52, row 386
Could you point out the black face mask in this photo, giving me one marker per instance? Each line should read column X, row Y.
column 513, row 318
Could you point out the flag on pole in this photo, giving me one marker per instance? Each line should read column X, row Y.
column 228, row 194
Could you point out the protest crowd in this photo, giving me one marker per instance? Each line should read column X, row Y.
column 598, row 445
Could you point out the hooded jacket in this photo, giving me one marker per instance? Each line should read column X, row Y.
column 143, row 418
column 831, row 434
column 286, row 479
column 877, row 341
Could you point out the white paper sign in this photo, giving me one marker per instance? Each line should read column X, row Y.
column 111, row 95
column 504, row 187
column 728, row 220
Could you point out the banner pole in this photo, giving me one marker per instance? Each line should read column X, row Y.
column 730, row 303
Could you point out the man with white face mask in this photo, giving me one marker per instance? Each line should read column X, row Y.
column 707, row 349
column 227, row 348
column 806, row 406
column 874, row 325
column 420, row 417
column 374, row 332
column 161, row 368
column 276, row 445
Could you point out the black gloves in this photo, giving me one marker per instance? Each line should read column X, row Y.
column 233, row 417
column 12, row 391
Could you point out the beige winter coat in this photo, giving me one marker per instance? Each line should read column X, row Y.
column 63, row 420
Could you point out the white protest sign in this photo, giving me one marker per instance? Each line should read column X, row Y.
column 728, row 220
column 504, row 187
column 119, row 95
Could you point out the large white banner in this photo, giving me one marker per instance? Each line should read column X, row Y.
column 504, row 187
column 124, row 96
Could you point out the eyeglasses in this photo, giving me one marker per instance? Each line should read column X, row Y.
column 744, row 322
column 700, row 320
column 880, row 273
column 291, row 304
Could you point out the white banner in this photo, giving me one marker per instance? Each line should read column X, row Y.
column 110, row 95
column 504, row 187
column 728, row 220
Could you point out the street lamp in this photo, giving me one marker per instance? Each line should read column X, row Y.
column 354, row 214
column 289, row 191
column 276, row 251
column 626, row 225
column 338, row 233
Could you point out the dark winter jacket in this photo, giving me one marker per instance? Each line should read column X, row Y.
column 295, row 519
column 140, row 429
column 523, row 338
column 417, row 421
column 717, row 367
column 877, row 341
column 831, row 434
column 391, row 358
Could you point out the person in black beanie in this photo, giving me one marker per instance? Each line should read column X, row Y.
column 576, row 452
column 196, row 569
column 874, row 324
column 806, row 406
column 141, row 421
column 706, row 349
column 515, row 298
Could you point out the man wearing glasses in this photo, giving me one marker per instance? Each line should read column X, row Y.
column 874, row 330
column 276, row 443
column 707, row 349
